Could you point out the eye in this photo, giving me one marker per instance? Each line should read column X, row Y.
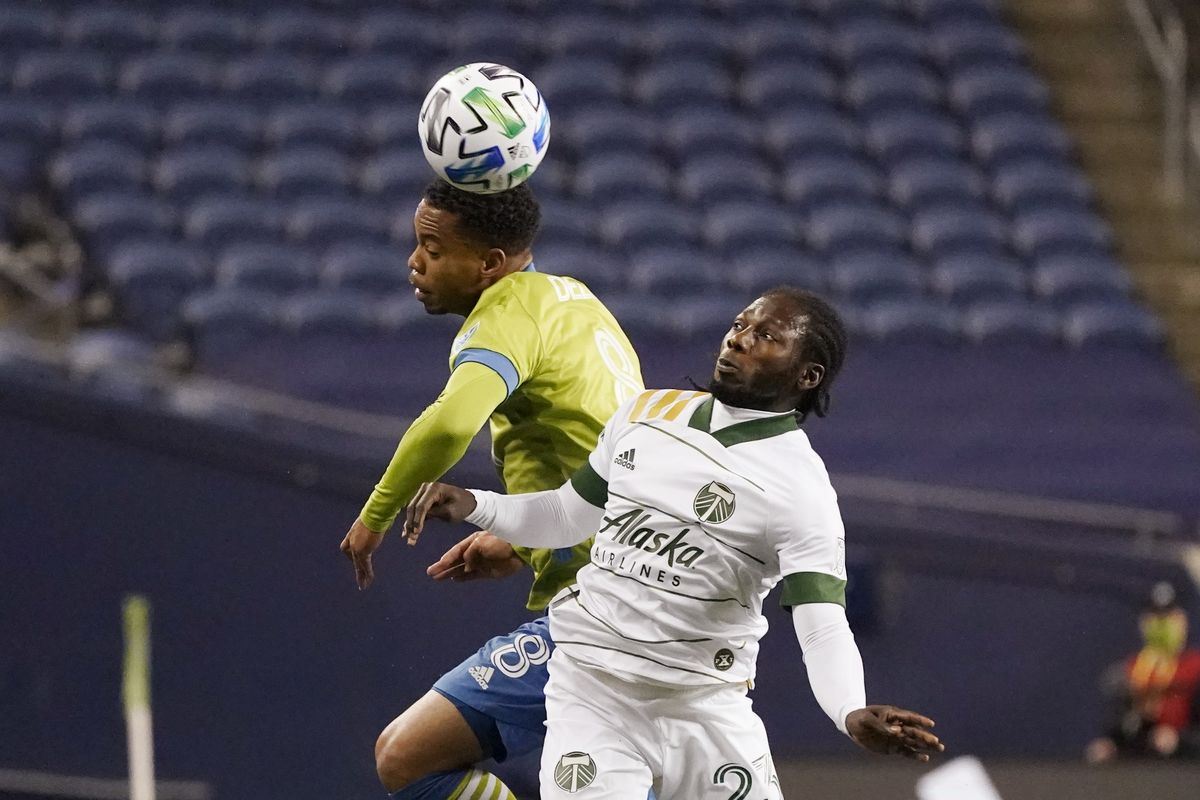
column 770, row 337
column 737, row 325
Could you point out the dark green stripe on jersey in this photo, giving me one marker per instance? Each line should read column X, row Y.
column 590, row 486
column 750, row 430
column 800, row 588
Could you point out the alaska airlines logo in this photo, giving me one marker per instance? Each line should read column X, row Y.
column 714, row 503
column 631, row 531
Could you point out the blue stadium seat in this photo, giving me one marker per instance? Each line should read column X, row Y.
column 1011, row 322
column 166, row 77
column 327, row 221
column 151, row 280
column 499, row 37
column 312, row 125
column 98, row 166
column 871, row 275
column 711, row 178
column 570, row 223
column 615, row 177
column 762, row 41
column 1053, row 231
column 205, row 30
column 222, row 322
column 677, row 84
column 822, row 179
column 218, row 123
column 840, row 11
column 738, row 224
column 270, row 78
column 391, row 126
column 844, row 229
column 969, row 44
column 58, row 75
column 946, row 230
column 20, row 171
column 696, row 131
column 326, row 313
column 192, row 172
column 109, row 219
column 760, row 268
column 118, row 121
column 589, row 34
column 673, row 272
column 602, row 270
column 110, row 30
column 648, row 328
column 395, row 176
column 985, row 90
column 876, row 89
column 374, row 78
column 970, row 277
column 579, row 83
column 635, row 224
column 907, row 132
column 1019, row 136
column 26, row 119
column 957, row 10
column 912, row 320
column 664, row 38
column 1024, row 187
column 306, row 172
column 1119, row 324
column 301, row 31
column 800, row 133
column 377, row 269
column 402, row 31
column 615, row 129
column 920, row 182
column 98, row 356
column 1066, row 280
column 877, row 40
column 772, row 88
column 274, row 268
column 225, row 221
column 27, row 28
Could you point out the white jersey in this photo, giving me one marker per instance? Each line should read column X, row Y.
column 698, row 527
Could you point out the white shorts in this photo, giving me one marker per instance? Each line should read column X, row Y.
column 608, row 739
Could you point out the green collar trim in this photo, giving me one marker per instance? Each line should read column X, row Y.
column 749, row 431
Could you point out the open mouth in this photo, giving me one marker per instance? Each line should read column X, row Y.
column 725, row 366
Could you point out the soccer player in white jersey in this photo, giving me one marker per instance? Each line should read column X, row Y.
column 700, row 503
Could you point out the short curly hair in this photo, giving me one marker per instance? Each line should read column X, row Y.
column 508, row 220
column 824, row 344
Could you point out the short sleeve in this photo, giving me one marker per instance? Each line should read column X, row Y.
column 505, row 339
column 591, row 480
column 812, row 550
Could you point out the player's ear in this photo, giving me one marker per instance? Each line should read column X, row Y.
column 811, row 376
column 493, row 263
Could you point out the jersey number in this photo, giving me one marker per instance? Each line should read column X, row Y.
column 629, row 382
column 738, row 773
column 526, row 650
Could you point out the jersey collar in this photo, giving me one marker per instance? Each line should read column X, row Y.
column 748, row 431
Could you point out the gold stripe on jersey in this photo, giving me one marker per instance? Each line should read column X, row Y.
column 664, row 404
column 677, row 409
column 642, row 400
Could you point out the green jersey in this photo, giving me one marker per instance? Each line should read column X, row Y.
column 564, row 366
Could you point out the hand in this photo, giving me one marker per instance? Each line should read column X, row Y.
column 440, row 501
column 480, row 555
column 888, row 730
column 359, row 544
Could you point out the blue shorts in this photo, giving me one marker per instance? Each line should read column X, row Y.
column 500, row 690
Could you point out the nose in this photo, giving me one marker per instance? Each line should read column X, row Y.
column 736, row 340
column 414, row 262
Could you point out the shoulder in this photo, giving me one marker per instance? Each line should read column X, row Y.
column 662, row 404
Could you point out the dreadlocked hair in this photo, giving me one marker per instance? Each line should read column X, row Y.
column 508, row 220
column 825, row 344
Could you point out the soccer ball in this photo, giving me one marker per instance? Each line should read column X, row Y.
column 484, row 127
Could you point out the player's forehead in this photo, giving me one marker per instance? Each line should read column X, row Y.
column 775, row 310
column 430, row 220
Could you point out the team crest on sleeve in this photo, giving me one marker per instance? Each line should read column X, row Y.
column 574, row 771
column 714, row 503
column 462, row 340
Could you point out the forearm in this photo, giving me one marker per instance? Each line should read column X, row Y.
column 434, row 442
column 557, row 518
column 835, row 668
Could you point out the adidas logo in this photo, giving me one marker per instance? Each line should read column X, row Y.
column 482, row 675
column 626, row 459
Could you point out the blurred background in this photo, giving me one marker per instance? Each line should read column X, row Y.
column 208, row 350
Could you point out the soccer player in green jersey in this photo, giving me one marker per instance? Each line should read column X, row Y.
column 545, row 362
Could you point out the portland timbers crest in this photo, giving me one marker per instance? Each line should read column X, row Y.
column 574, row 771
column 714, row 503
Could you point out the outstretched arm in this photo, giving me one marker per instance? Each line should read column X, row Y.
column 432, row 444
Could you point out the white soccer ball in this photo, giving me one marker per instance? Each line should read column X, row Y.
column 484, row 127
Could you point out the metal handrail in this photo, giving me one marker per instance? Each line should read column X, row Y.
column 1165, row 36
